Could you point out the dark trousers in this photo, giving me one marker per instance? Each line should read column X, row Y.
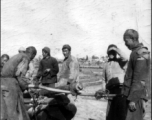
column 117, row 107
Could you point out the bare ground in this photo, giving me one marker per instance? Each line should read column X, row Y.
column 91, row 109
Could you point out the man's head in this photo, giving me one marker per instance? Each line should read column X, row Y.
column 21, row 50
column 31, row 52
column 45, row 52
column 4, row 59
column 131, row 38
column 66, row 50
column 111, row 52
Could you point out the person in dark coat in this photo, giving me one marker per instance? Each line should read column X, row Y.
column 60, row 106
column 14, row 83
column 136, row 80
column 48, row 69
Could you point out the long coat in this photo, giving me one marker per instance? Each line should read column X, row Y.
column 11, row 79
column 136, row 81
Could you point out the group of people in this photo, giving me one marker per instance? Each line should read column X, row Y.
column 128, row 79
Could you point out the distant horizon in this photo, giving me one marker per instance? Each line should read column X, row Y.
column 86, row 25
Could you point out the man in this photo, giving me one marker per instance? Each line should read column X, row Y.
column 14, row 82
column 21, row 50
column 113, row 73
column 4, row 59
column 61, row 108
column 137, row 76
column 48, row 69
column 70, row 67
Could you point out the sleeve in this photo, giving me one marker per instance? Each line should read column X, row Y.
column 20, row 74
column 22, row 67
column 123, row 59
column 62, row 84
column 30, row 71
column 73, row 72
column 104, row 78
column 140, row 76
column 55, row 69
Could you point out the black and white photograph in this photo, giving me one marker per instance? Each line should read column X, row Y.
column 75, row 60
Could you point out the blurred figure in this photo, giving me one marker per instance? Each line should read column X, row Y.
column 136, row 83
column 21, row 50
column 14, row 83
column 113, row 73
column 4, row 59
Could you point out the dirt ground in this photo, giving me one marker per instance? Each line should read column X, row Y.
column 91, row 109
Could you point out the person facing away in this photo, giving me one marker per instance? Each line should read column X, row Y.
column 136, row 82
column 13, row 83
column 48, row 69
column 113, row 73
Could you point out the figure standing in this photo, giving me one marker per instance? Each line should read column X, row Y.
column 14, row 82
column 113, row 73
column 136, row 81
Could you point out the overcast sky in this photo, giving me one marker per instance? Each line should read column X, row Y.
column 89, row 26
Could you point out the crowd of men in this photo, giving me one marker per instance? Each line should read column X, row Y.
column 128, row 79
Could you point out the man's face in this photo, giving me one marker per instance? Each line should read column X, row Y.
column 129, row 42
column 3, row 61
column 32, row 57
column 112, row 54
column 66, row 53
column 44, row 54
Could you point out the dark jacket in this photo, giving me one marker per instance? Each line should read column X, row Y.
column 50, row 77
column 137, row 75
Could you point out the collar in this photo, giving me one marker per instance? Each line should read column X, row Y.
column 46, row 58
column 67, row 58
column 137, row 46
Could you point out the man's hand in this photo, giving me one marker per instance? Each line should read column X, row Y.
column 132, row 106
column 75, row 88
column 99, row 94
column 48, row 70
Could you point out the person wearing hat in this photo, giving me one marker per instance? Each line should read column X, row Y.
column 136, row 88
column 113, row 73
column 21, row 50
column 70, row 67
column 13, row 83
column 48, row 69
